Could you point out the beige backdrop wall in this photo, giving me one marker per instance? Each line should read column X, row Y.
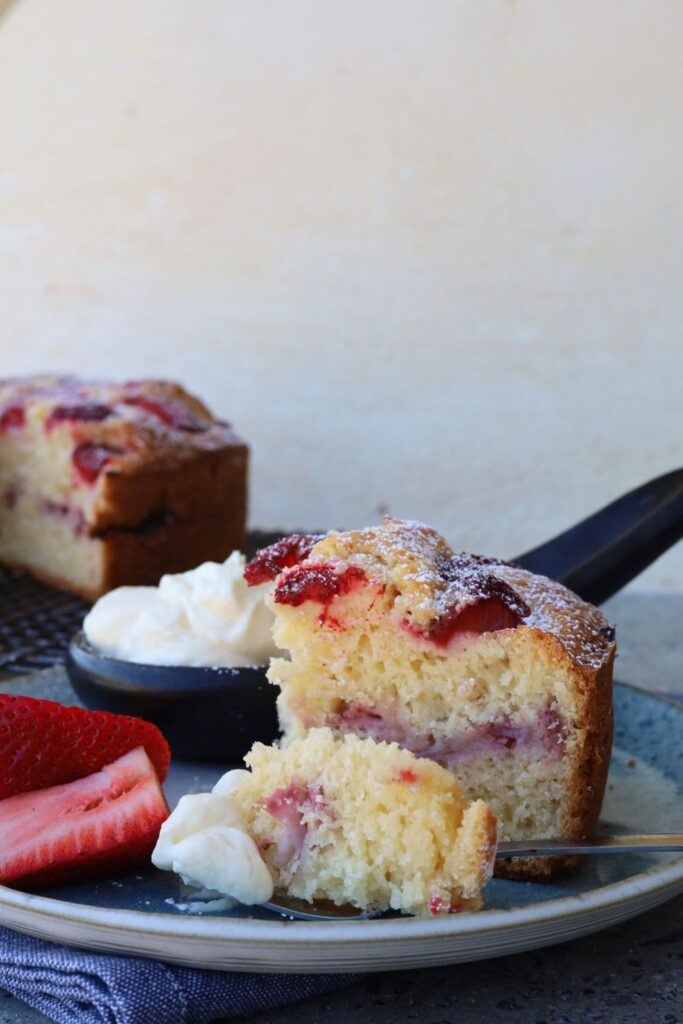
column 425, row 255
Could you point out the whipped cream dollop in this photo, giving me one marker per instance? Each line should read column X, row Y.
column 205, row 617
column 206, row 842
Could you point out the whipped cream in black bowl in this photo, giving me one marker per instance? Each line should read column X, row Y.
column 190, row 655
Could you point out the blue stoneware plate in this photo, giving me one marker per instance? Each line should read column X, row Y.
column 148, row 914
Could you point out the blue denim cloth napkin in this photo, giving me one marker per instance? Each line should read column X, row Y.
column 75, row 987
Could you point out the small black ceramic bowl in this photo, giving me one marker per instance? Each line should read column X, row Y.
column 206, row 714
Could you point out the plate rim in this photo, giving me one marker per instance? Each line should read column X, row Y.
column 667, row 876
column 644, row 883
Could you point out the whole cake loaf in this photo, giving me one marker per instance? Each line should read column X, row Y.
column 500, row 675
column 105, row 484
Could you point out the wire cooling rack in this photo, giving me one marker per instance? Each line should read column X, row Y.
column 37, row 621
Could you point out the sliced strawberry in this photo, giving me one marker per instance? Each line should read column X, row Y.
column 83, row 412
column 45, row 744
column 287, row 806
column 485, row 616
column 285, row 803
column 169, row 410
column 105, row 824
column 317, row 581
column 475, row 601
column 90, row 459
column 12, row 417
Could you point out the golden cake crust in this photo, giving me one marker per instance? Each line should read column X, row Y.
column 591, row 757
column 578, row 634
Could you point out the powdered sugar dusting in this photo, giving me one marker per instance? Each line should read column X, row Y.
column 469, row 581
column 430, row 581
column 583, row 631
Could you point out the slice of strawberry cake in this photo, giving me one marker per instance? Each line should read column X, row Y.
column 336, row 818
column 498, row 674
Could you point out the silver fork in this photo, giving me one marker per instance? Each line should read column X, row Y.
column 325, row 910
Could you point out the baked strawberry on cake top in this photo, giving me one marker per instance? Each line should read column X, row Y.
column 500, row 675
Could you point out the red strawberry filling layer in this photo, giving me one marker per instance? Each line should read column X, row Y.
column 545, row 737
column 300, row 808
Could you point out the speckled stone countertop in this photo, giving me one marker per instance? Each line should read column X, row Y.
column 630, row 974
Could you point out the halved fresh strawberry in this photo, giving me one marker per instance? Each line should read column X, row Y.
column 104, row 824
column 46, row 744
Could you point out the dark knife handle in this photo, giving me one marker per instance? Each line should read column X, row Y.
column 604, row 552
